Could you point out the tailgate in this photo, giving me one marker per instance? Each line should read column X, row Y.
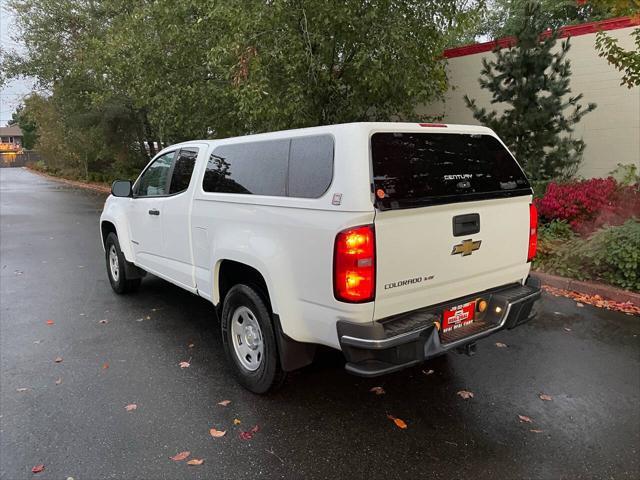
column 416, row 263
column 452, row 218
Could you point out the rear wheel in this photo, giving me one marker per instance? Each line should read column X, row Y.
column 249, row 340
column 116, row 267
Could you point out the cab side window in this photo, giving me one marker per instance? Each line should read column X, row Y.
column 182, row 170
column 155, row 179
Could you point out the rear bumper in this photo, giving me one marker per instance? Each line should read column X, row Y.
column 394, row 343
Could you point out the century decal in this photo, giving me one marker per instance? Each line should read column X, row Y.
column 461, row 176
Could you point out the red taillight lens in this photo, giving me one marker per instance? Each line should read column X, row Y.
column 439, row 125
column 354, row 265
column 533, row 232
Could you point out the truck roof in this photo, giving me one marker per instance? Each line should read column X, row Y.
column 367, row 126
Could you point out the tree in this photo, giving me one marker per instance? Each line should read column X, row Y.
column 626, row 61
column 132, row 72
column 27, row 124
column 502, row 18
column 533, row 82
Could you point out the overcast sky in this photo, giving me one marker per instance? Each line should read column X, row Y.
column 12, row 94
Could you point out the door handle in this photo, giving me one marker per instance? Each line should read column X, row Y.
column 466, row 224
column 154, row 212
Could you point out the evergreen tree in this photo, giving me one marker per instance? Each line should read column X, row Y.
column 531, row 79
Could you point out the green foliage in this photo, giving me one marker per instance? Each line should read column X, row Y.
column 533, row 83
column 626, row 61
column 611, row 255
column 551, row 237
column 125, row 74
column 28, row 126
column 502, row 18
column 626, row 175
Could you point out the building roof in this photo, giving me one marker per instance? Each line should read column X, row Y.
column 568, row 31
column 11, row 131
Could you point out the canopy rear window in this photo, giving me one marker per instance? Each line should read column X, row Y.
column 418, row 169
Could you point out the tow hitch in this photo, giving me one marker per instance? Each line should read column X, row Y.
column 468, row 349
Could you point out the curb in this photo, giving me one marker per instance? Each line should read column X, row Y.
column 589, row 288
column 96, row 187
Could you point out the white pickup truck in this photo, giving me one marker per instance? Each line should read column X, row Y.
column 392, row 242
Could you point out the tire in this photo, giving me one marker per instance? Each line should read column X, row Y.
column 249, row 340
column 117, row 272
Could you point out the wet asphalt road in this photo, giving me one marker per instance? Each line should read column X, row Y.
column 323, row 424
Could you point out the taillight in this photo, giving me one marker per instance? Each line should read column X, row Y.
column 354, row 265
column 533, row 232
column 438, row 125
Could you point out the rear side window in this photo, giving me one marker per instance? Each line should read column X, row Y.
column 310, row 166
column 258, row 168
column 418, row 169
column 182, row 170
column 299, row 167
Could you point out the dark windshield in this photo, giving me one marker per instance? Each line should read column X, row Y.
column 417, row 169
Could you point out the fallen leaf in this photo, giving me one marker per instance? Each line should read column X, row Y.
column 525, row 419
column 196, row 461
column 545, row 397
column 236, row 421
column 534, row 430
column 378, row 390
column 103, row 321
column 50, row 322
column 37, row 468
column 224, row 403
column 59, row 381
column 217, row 433
column 180, row 456
column 21, row 389
column 184, row 364
column 578, row 304
column 501, row 345
column 595, row 300
column 105, row 366
column 248, row 435
column 465, row 394
column 191, row 345
column 131, row 407
column 566, row 329
column 148, row 317
column 58, row 359
column 427, row 372
column 398, row 421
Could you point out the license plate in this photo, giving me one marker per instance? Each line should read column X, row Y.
column 458, row 316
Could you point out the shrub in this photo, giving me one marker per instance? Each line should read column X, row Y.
column 551, row 236
column 626, row 174
column 589, row 204
column 611, row 255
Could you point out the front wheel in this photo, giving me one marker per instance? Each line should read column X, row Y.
column 249, row 340
column 116, row 267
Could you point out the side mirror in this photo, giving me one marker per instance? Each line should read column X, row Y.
column 121, row 188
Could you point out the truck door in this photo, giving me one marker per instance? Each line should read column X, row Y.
column 145, row 213
column 176, row 240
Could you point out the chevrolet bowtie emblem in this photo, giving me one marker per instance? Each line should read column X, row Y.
column 467, row 247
